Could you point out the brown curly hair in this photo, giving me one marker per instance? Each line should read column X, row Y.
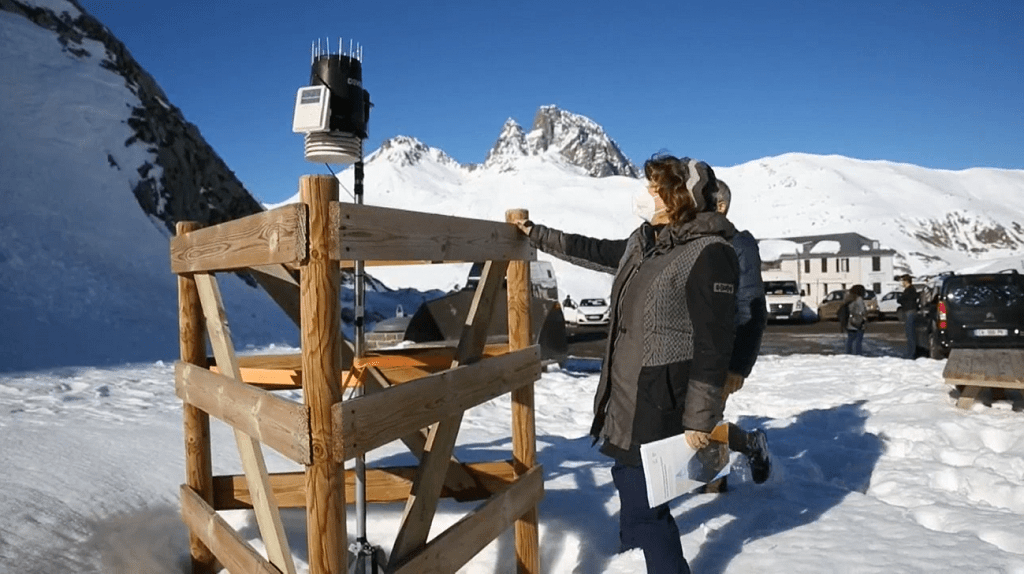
column 668, row 174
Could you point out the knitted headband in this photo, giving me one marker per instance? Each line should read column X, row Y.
column 700, row 183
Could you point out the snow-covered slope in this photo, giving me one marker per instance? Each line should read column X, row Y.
column 95, row 168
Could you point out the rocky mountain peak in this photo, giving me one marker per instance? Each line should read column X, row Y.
column 575, row 139
column 510, row 145
column 580, row 140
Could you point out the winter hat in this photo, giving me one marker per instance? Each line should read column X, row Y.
column 723, row 194
column 701, row 183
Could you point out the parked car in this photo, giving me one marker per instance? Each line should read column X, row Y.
column 971, row 312
column 871, row 303
column 829, row 308
column 889, row 305
column 592, row 312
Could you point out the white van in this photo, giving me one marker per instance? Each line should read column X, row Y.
column 784, row 299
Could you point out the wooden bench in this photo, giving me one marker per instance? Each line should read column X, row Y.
column 972, row 370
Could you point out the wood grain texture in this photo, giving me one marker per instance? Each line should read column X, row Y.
column 383, row 485
column 251, row 454
column 319, row 286
column 198, row 450
column 370, row 233
column 524, row 431
column 454, row 547
column 277, row 236
column 277, row 422
column 233, row 551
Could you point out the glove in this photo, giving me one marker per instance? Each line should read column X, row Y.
column 733, row 383
column 697, row 439
column 524, row 225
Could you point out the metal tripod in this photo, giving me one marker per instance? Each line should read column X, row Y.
column 366, row 558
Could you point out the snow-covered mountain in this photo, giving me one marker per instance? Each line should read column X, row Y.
column 96, row 165
column 560, row 135
column 936, row 220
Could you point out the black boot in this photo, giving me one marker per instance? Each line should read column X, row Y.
column 757, row 454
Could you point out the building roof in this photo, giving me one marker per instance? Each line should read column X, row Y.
column 835, row 244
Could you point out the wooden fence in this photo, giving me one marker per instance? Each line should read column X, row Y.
column 296, row 252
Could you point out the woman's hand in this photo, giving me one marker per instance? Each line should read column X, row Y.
column 733, row 383
column 524, row 225
column 697, row 439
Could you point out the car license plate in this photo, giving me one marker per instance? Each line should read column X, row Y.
column 990, row 332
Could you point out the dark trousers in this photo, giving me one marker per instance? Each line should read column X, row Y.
column 911, row 331
column 854, row 342
column 653, row 530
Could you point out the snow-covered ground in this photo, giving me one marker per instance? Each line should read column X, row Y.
column 875, row 470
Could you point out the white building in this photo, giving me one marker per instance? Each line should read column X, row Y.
column 824, row 263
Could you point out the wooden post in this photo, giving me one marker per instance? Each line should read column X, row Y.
column 319, row 288
column 524, row 431
column 198, row 457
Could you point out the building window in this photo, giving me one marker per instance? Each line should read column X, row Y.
column 843, row 265
column 807, row 265
column 807, row 288
column 824, row 288
column 843, row 287
column 877, row 288
column 876, row 263
column 824, row 264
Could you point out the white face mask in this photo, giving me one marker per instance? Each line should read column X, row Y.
column 644, row 206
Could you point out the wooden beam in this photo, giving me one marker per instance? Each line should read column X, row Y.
column 198, row 450
column 267, row 515
column 426, row 487
column 370, row 233
column 279, row 423
column 269, row 372
column 524, row 432
column 457, row 545
column 283, row 288
column 349, row 264
column 276, row 236
column 967, row 396
column 375, row 419
column 383, row 485
column 320, row 335
column 228, row 546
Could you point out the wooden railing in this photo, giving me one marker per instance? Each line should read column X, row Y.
column 419, row 396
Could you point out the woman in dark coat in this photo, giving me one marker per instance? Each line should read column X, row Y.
column 670, row 337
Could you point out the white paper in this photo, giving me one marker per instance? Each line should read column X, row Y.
column 672, row 468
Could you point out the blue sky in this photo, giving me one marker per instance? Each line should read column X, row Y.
column 934, row 83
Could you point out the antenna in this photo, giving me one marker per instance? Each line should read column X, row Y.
column 333, row 111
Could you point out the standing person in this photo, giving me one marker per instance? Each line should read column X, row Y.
column 909, row 304
column 855, row 318
column 751, row 320
column 670, row 337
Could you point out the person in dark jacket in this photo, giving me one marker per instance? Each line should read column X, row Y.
column 751, row 321
column 909, row 304
column 670, row 338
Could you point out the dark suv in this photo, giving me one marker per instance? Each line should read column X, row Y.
column 971, row 312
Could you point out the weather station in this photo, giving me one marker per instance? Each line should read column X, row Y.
column 333, row 113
